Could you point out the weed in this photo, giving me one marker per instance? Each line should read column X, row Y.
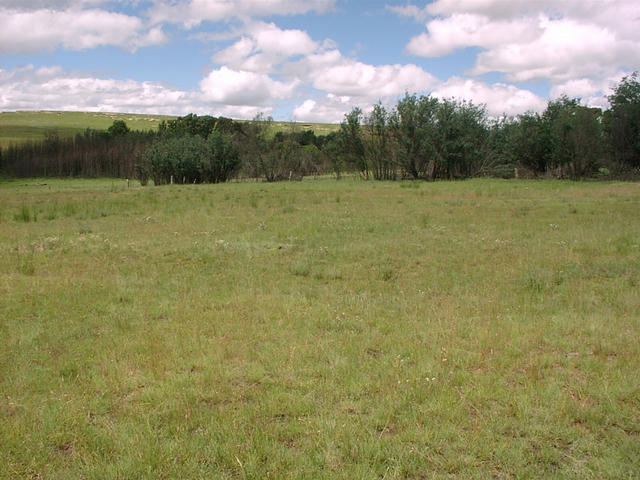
column 84, row 229
column 301, row 269
column 26, row 264
column 25, row 215
column 388, row 274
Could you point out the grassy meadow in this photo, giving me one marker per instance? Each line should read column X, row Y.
column 19, row 127
column 319, row 329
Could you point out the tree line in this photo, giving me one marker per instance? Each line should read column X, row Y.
column 421, row 137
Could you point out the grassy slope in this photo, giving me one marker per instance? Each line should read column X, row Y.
column 16, row 127
column 33, row 125
column 320, row 329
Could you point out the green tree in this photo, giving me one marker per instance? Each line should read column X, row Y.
column 623, row 122
column 333, row 150
column 377, row 143
column 413, row 125
column 118, row 128
column 461, row 131
column 531, row 143
column 253, row 141
column 223, row 159
column 351, row 141
column 576, row 137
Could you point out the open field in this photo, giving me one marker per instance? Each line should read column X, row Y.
column 320, row 329
column 17, row 127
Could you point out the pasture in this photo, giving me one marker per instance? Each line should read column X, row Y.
column 19, row 127
column 319, row 329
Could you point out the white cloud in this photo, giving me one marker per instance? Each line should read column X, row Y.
column 412, row 11
column 240, row 87
column 236, row 53
column 592, row 92
column 329, row 109
column 271, row 39
column 566, row 49
column 51, row 88
column 264, row 49
column 37, row 30
column 263, row 46
column 193, row 12
column 360, row 79
column 499, row 98
column 462, row 30
column 331, row 72
column 562, row 41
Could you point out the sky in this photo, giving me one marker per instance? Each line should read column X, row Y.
column 310, row 60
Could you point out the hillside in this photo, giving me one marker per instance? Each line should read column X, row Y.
column 17, row 127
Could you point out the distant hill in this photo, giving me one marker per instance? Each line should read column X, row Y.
column 18, row 127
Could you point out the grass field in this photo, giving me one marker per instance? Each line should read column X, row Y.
column 18, row 127
column 319, row 329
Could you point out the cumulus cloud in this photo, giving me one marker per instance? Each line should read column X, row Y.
column 241, row 87
column 52, row 88
column 565, row 49
column 264, row 46
column 331, row 72
column 46, row 29
column 499, row 98
column 592, row 92
column 555, row 40
column 461, row 30
column 411, row 11
column 192, row 12
column 263, row 49
column 356, row 78
column 328, row 109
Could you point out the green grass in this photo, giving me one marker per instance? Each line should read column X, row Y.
column 320, row 329
column 18, row 127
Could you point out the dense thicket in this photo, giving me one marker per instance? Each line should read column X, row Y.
column 189, row 159
column 421, row 137
column 93, row 153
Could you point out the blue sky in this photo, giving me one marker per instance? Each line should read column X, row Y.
column 310, row 60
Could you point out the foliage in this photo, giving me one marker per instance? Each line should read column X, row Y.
column 377, row 141
column 333, row 150
column 413, row 125
column 623, row 122
column 460, row 134
column 118, row 128
column 576, row 138
column 92, row 153
column 351, row 142
column 191, row 159
column 223, row 158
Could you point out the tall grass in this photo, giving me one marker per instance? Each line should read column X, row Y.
column 320, row 329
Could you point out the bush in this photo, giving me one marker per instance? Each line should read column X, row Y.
column 190, row 159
